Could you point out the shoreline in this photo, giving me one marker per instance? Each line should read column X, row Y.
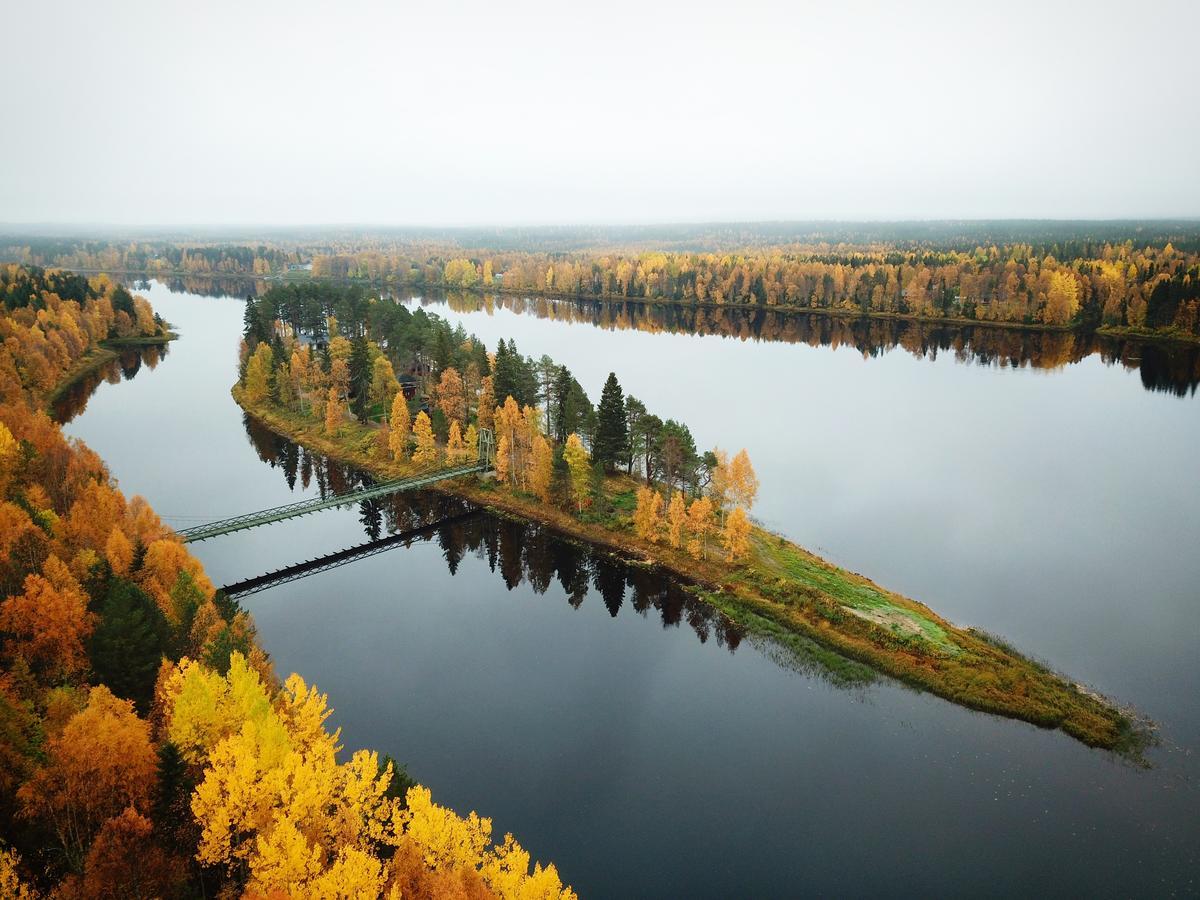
column 1111, row 331
column 791, row 594
column 98, row 355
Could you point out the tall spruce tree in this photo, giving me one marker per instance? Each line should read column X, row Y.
column 504, row 379
column 612, row 435
column 129, row 642
column 360, row 378
column 572, row 409
column 558, row 412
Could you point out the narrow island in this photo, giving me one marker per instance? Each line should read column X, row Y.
column 320, row 364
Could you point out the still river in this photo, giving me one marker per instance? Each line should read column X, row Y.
column 620, row 729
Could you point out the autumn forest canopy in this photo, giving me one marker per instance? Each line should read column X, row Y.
column 147, row 747
column 1136, row 277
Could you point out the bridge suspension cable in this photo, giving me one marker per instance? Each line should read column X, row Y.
column 484, row 461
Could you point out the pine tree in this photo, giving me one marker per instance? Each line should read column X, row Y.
column 129, row 642
column 252, row 329
column 504, row 380
column 360, row 378
column 612, row 436
column 558, row 418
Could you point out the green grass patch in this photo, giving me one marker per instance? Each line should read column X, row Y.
column 789, row 648
column 788, row 562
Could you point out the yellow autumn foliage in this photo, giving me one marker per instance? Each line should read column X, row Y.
column 273, row 799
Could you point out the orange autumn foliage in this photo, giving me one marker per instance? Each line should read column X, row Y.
column 102, row 762
column 164, row 562
column 125, row 861
column 48, row 622
column 118, row 551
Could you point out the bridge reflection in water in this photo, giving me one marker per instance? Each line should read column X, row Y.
column 342, row 557
column 522, row 552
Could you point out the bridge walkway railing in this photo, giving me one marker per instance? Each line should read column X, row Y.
column 314, row 504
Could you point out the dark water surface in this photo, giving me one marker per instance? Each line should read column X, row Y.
column 624, row 731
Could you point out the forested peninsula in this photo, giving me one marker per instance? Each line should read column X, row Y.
column 147, row 747
column 396, row 393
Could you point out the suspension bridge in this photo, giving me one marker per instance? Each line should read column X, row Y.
column 296, row 571
column 482, row 464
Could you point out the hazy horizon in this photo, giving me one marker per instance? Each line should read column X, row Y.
column 144, row 115
column 164, row 227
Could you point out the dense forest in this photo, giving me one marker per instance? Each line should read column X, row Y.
column 331, row 353
column 148, row 748
column 1142, row 277
column 51, row 320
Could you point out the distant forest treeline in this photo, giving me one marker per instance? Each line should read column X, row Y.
column 1137, row 277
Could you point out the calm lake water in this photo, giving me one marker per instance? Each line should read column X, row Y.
column 627, row 733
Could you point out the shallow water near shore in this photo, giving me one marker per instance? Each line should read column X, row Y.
column 620, row 729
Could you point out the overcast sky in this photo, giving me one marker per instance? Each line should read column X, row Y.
column 239, row 111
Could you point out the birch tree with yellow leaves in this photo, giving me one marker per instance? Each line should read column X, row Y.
column 735, row 538
column 335, row 411
column 541, row 468
column 279, row 813
column 699, row 524
column 426, row 452
column 258, row 374
column 455, row 446
column 676, row 519
column 451, row 395
column 578, row 465
column 471, row 439
column 743, row 482
column 647, row 517
column 399, row 428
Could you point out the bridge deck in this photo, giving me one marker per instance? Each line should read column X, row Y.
column 304, row 507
